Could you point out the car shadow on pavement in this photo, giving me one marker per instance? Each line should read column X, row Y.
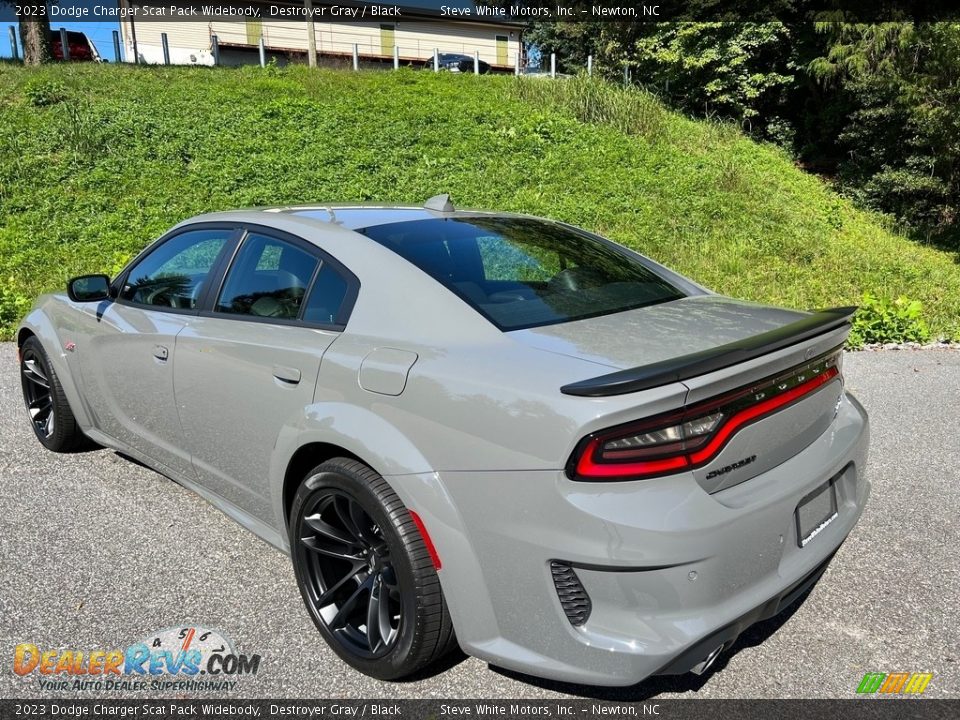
column 447, row 662
column 86, row 445
column 653, row 686
column 133, row 460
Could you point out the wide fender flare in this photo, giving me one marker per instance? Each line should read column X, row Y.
column 359, row 431
column 393, row 455
column 38, row 322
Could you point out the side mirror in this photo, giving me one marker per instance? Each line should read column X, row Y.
column 89, row 288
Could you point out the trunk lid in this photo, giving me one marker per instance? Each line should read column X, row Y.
column 659, row 332
column 761, row 367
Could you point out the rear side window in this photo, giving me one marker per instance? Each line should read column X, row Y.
column 325, row 304
column 269, row 279
column 522, row 272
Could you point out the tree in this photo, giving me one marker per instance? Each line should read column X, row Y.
column 896, row 88
column 735, row 71
column 874, row 106
column 35, row 38
column 571, row 41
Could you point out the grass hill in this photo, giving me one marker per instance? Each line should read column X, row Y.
column 95, row 161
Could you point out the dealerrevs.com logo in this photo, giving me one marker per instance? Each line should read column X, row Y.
column 179, row 659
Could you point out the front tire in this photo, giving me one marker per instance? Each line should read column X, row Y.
column 50, row 415
column 365, row 574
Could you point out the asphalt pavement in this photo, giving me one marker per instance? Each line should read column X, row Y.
column 97, row 552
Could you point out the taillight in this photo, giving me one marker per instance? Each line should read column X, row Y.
column 692, row 437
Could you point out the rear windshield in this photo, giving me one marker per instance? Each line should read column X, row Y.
column 521, row 272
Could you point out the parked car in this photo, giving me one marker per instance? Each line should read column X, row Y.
column 455, row 62
column 471, row 427
column 80, row 47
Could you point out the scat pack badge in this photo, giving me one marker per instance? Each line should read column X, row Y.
column 179, row 659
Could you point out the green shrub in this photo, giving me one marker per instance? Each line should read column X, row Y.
column 41, row 92
column 82, row 131
column 630, row 110
column 880, row 320
column 12, row 309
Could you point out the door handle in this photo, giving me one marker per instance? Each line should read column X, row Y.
column 288, row 375
column 161, row 353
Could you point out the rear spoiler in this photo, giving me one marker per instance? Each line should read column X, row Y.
column 706, row 361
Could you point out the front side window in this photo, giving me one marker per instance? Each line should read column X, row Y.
column 174, row 275
column 522, row 272
column 268, row 279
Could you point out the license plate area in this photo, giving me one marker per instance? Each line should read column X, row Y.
column 815, row 511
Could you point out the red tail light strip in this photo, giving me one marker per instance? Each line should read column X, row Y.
column 587, row 466
column 752, row 413
column 589, row 469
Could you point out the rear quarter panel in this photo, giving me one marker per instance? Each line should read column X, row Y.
column 489, row 406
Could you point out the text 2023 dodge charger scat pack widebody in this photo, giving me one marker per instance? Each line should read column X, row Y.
column 470, row 427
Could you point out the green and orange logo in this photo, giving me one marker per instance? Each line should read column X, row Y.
column 894, row 683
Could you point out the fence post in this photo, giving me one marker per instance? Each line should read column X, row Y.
column 215, row 48
column 396, row 56
column 263, row 52
column 626, row 75
column 311, row 36
column 589, row 64
column 116, row 46
column 436, row 60
column 64, row 45
column 13, row 43
column 166, row 48
column 516, row 64
column 476, row 62
column 356, row 56
column 553, row 65
column 133, row 36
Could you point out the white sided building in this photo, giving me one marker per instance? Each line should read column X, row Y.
column 422, row 27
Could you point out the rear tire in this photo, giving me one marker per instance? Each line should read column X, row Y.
column 50, row 416
column 365, row 574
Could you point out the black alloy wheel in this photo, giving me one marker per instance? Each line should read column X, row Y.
column 50, row 415
column 364, row 572
column 352, row 582
column 37, row 394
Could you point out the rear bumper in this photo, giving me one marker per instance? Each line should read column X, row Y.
column 725, row 637
column 672, row 571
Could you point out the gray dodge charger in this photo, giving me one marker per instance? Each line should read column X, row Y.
column 471, row 428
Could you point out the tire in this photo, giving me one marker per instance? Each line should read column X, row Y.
column 50, row 415
column 357, row 554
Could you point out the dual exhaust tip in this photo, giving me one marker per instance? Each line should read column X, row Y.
column 701, row 667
